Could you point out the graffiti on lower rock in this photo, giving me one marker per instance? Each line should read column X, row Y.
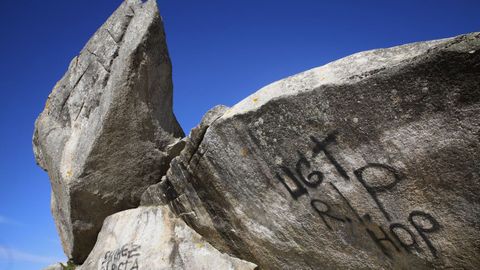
column 396, row 237
column 123, row 258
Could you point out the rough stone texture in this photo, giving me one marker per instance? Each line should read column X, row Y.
column 153, row 238
column 108, row 130
column 369, row 162
column 163, row 192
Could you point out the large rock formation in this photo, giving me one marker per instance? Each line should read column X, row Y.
column 153, row 238
column 369, row 162
column 108, row 131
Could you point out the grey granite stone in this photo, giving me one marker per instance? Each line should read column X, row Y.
column 108, row 131
column 369, row 162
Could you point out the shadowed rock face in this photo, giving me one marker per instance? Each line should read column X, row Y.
column 369, row 162
column 154, row 238
column 108, row 130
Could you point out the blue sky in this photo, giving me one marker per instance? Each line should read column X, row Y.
column 222, row 51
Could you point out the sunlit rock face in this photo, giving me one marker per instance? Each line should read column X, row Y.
column 154, row 238
column 369, row 162
column 108, row 130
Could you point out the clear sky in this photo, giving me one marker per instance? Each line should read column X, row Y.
column 221, row 50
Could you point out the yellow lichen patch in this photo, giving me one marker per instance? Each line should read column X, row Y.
column 56, row 86
column 227, row 113
column 69, row 173
column 244, row 152
column 199, row 245
column 255, row 99
column 47, row 104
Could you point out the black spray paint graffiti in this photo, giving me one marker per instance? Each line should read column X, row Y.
column 396, row 237
column 124, row 258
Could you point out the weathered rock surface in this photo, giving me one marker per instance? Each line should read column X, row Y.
column 162, row 193
column 154, row 238
column 108, row 130
column 369, row 162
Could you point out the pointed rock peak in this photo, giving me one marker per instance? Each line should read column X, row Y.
column 104, row 132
